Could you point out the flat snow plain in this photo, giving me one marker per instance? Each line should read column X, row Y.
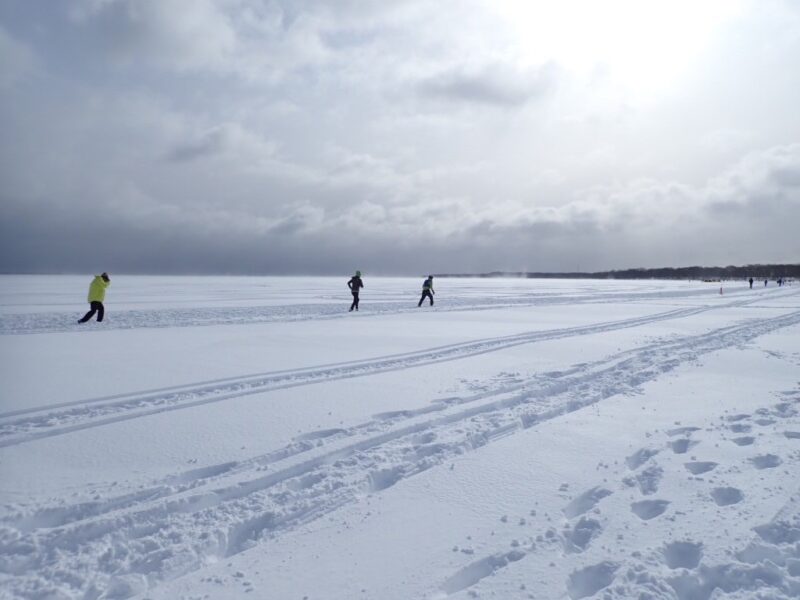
column 249, row 438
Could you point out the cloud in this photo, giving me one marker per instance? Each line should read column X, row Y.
column 748, row 213
column 228, row 138
column 494, row 85
column 207, row 144
column 180, row 34
column 267, row 136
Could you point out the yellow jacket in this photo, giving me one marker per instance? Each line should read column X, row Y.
column 97, row 290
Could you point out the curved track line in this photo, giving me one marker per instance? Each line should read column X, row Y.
column 103, row 411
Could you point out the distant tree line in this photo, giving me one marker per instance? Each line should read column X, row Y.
column 730, row 272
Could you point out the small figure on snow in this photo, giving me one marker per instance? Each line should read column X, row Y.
column 427, row 290
column 355, row 284
column 97, row 293
column 751, row 283
column 765, row 282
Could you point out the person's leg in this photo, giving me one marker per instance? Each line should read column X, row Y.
column 421, row 299
column 353, row 304
column 100, row 312
column 356, row 301
column 430, row 296
column 89, row 314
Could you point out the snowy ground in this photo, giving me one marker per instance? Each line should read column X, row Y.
column 248, row 437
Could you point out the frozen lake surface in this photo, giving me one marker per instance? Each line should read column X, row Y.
column 230, row 437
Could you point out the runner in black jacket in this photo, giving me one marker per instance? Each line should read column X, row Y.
column 427, row 290
column 355, row 284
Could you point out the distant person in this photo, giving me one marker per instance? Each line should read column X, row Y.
column 355, row 284
column 765, row 282
column 751, row 283
column 780, row 281
column 97, row 293
column 427, row 291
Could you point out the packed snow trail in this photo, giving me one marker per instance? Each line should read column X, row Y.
column 181, row 523
column 61, row 322
column 31, row 424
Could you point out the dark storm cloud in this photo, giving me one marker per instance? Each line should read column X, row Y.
column 310, row 242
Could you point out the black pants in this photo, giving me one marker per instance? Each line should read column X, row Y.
column 97, row 307
column 355, row 301
column 428, row 294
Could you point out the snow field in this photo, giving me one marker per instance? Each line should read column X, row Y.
column 545, row 446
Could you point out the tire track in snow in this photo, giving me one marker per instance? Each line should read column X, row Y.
column 32, row 424
column 162, row 538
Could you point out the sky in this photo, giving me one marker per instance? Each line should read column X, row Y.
column 398, row 138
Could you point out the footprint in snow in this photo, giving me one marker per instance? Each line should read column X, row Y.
column 683, row 555
column 698, row 468
column 725, row 496
column 480, row 569
column 384, row 478
column 638, row 458
column 578, row 538
column 585, row 502
column 780, row 532
column 590, row 580
column 682, row 431
column 740, row 428
column 739, row 417
column 784, row 409
column 745, row 440
column 649, row 509
column 766, row 461
column 682, row 446
column 649, row 479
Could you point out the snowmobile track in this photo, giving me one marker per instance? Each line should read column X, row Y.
column 27, row 425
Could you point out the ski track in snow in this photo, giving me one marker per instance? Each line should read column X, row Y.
column 31, row 424
column 182, row 522
column 61, row 322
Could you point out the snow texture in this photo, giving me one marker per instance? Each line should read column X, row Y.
column 248, row 437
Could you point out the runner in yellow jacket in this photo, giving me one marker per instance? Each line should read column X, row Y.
column 97, row 293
